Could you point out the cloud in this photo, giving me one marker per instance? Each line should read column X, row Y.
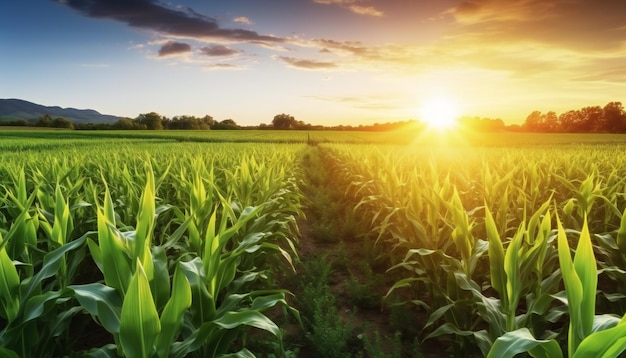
column 365, row 10
column 219, row 50
column 222, row 67
column 576, row 24
column 173, row 48
column 149, row 14
column 307, row 64
column 242, row 20
column 352, row 6
column 345, row 47
column 375, row 102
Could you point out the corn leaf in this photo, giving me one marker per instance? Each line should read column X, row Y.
column 100, row 301
column 115, row 265
column 174, row 312
column 512, row 270
column 496, row 255
column 51, row 264
column 145, row 225
column 9, row 283
column 139, row 321
column 251, row 318
column 606, row 344
column 573, row 289
column 520, row 341
column 7, row 353
column 585, row 266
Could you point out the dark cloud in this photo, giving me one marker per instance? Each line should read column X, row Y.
column 149, row 14
column 307, row 64
column 174, row 48
column 219, row 50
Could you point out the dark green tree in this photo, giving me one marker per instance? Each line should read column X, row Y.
column 44, row 121
column 283, row 121
column 226, row 124
column 151, row 120
column 62, row 123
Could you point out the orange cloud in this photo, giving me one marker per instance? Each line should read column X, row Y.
column 353, row 6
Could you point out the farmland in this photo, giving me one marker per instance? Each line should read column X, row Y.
column 208, row 244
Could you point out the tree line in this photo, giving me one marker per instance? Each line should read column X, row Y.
column 145, row 121
column 593, row 119
column 282, row 121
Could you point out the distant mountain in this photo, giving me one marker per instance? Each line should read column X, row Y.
column 16, row 109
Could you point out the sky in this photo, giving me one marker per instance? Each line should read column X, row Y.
column 324, row 62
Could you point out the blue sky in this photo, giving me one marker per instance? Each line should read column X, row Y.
column 322, row 61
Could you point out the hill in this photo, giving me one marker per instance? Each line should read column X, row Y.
column 17, row 109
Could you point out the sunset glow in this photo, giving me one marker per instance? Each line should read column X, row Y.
column 439, row 113
column 322, row 61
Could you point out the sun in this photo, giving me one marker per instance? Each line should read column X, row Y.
column 439, row 112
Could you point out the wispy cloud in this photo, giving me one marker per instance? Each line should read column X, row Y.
column 365, row 10
column 173, row 48
column 381, row 102
column 242, row 20
column 150, row 14
column 307, row 64
column 223, row 67
column 354, row 6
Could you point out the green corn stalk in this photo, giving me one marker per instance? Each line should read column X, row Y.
column 588, row 335
column 60, row 230
column 580, row 279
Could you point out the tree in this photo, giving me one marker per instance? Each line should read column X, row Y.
column 614, row 117
column 44, row 121
column 151, row 120
column 127, row 124
column 534, row 122
column 62, row 123
column 283, row 121
column 571, row 121
column 592, row 118
column 551, row 122
column 226, row 124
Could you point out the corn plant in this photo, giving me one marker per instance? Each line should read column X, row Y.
column 588, row 335
column 35, row 313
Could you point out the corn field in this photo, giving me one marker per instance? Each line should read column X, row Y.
column 483, row 239
column 172, row 249
column 169, row 249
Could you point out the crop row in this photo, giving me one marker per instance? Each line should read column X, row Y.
column 484, row 237
column 164, row 249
